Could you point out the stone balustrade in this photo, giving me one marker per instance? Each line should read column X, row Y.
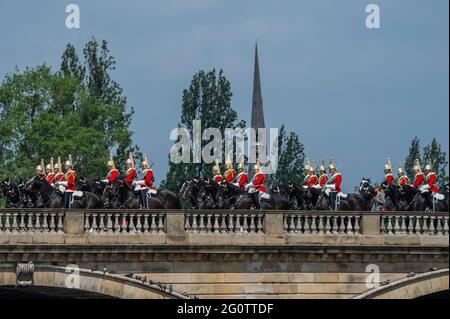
column 31, row 221
column 410, row 224
column 223, row 222
column 124, row 222
column 306, row 223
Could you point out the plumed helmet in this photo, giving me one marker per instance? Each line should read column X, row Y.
column 145, row 163
column 110, row 163
column 400, row 169
column 228, row 162
column 429, row 166
column 216, row 168
column 307, row 165
column 331, row 164
column 68, row 163
column 56, row 166
column 49, row 166
column 129, row 161
column 241, row 165
column 39, row 169
column 417, row 165
column 257, row 166
column 388, row 165
column 312, row 168
column 322, row 167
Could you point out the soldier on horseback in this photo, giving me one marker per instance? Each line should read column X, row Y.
column 50, row 174
column 229, row 174
column 40, row 170
column 388, row 177
column 323, row 178
column 59, row 176
column 429, row 188
column 256, row 187
column 216, row 171
column 113, row 173
column 69, row 182
column 402, row 179
column 306, row 169
column 130, row 174
column 146, row 184
column 312, row 177
column 240, row 180
column 418, row 178
column 333, row 186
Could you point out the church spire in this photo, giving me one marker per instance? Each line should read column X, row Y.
column 257, row 104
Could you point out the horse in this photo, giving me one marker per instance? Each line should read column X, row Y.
column 14, row 194
column 53, row 198
column 122, row 195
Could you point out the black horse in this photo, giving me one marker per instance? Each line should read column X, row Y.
column 14, row 194
column 53, row 198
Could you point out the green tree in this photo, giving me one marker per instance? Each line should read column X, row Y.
column 413, row 154
column 77, row 110
column 208, row 99
column 438, row 158
column 290, row 159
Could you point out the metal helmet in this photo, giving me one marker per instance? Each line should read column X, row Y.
column 145, row 164
column 400, row 169
column 307, row 165
column 417, row 166
column 241, row 165
column 68, row 163
column 49, row 167
column 39, row 169
column 129, row 161
column 429, row 166
column 312, row 168
column 228, row 162
column 216, row 168
column 56, row 166
column 257, row 166
column 331, row 167
column 322, row 167
column 388, row 165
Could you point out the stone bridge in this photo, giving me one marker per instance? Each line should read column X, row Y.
column 224, row 254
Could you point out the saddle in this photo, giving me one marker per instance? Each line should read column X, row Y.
column 78, row 195
column 438, row 197
column 265, row 196
column 342, row 195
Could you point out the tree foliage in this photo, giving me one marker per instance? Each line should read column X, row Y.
column 76, row 110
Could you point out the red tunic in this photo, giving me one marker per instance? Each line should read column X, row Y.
column 418, row 180
column 403, row 180
column 50, row 178
column 218, row 178
column 431, row 181
column 131, row 174
column 389, row 179
column 241, row 179
column 258, row 182
column 70, row 177
column 229, row 175
column 59, row 177
column 148, row 178
column 312, row 180
column 112, row 175
column 336, row 179
column 323, row 180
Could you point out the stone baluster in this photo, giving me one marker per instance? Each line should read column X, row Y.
column 109, row 223
column 298, row 224
column 431, row 228
column 146, row 225
column 37, row 225
column 187, row 224
column 202, row 226
column 7, row 223
column 445, row 227
column 94, row 225
column 22, row 227
column 154, row 227
column 341, row 227
column 161, row 223
column 230, row 224
column 313, row 225
column 29, row 226
column 86, row 222
column 327, row 225
column 216, row 223
column 132, row 225
column 439, row 226
column 403, row 225
column 417, row 226
column 259, row 225
column 45, row 226
column 52, row 222
column 397, row 220
column 321, row 227
column 116, row 226
column 349, row 226
column 411, row 225
column 239, row 228
column 209, row 226
column 139, row 222
column 15, row 227
column 357, row 227
column 124, row 226
column 252, row 223
column 245, row 223
column 195, row 227
column 383, row 230
column 59, row 224
column 389, row 225
column 102, row 223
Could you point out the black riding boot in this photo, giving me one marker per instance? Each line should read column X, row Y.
column 333, row 198
column 67, row 198
column 144, row 201
column 428, row 200
column 255, row 200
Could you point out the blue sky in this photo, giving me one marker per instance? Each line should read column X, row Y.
column 351, row 93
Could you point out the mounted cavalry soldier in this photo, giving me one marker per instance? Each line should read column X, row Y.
column 242, row 177
column 429, row 188
column 69, row 182
column 40, row 170
column 312, row 177
column 402, row 179
column 113, row 172
column 256, row 187
column 130, row 174
column 334, row 185
column 146, row 184
column 419, row 177
column 59, row 176
column 306, row 169
column 50, row 174
column 229, row 174
column 216, row 171
column 323, row 178
column 388, row 177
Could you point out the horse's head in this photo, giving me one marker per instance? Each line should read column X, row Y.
column 33, row 185
column 365, row 185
